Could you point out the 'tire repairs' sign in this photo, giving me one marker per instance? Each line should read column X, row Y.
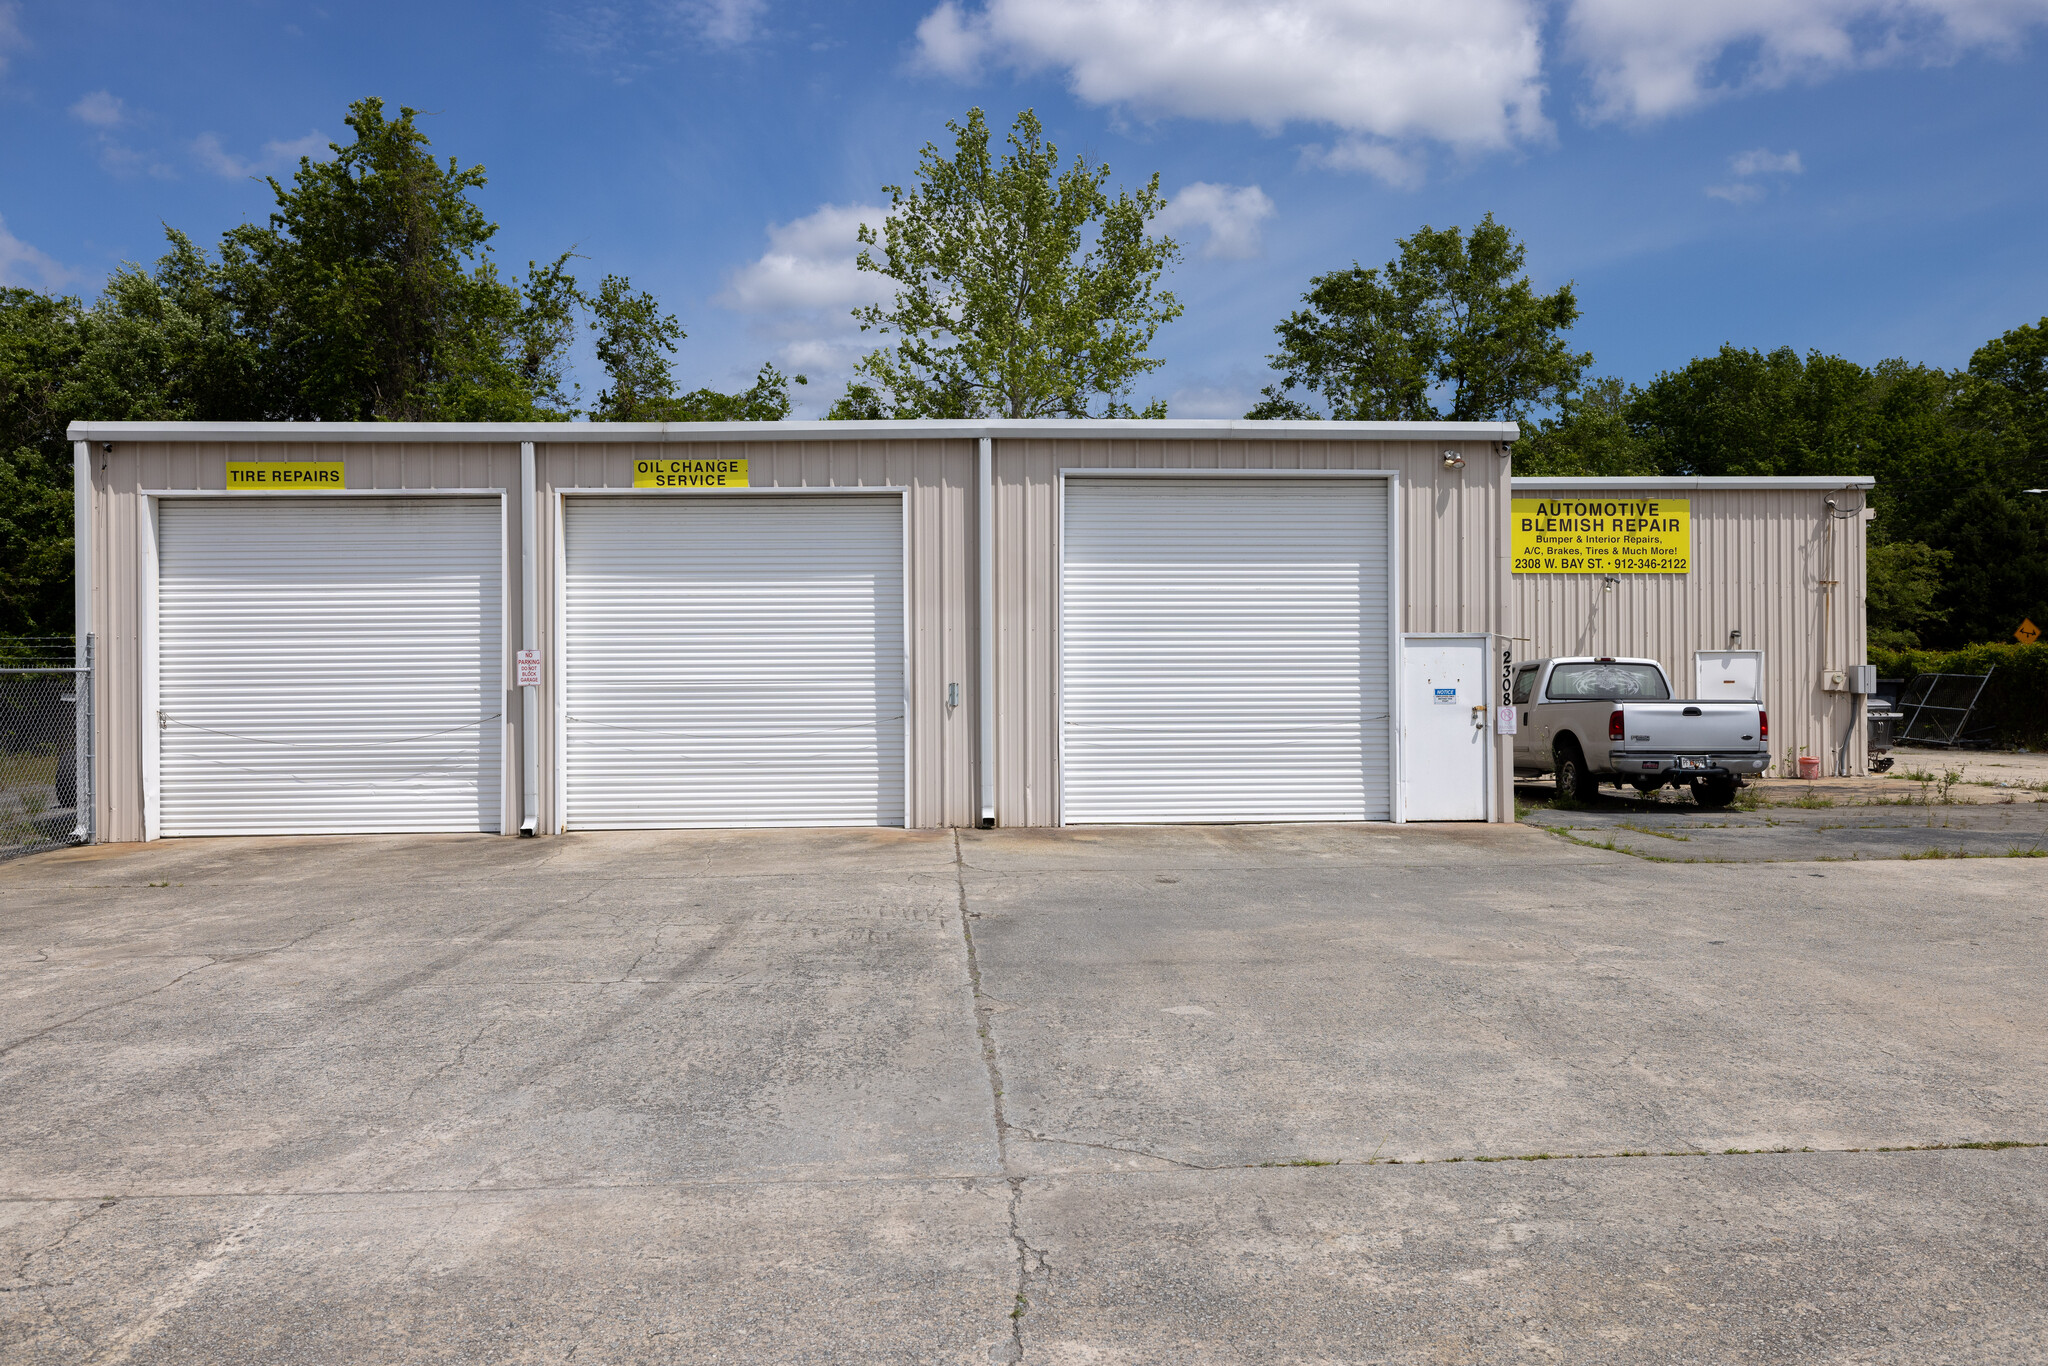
column 1603, row 536
column 689, row 474
column 278, row 474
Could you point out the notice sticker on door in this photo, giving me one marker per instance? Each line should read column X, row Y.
column 1446, row 695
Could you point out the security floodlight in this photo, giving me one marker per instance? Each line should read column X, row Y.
column 1453, row 461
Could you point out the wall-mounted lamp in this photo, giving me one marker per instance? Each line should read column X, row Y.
column 1453, row 461
column 1735, row 638
column 1607, row 583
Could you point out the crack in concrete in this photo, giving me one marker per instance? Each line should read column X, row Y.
column 49, row 1029
column 1011, row 1351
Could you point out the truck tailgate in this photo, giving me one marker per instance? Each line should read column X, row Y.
column 1719, row 727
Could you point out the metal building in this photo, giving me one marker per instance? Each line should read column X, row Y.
column 369, row 627
column 1768, row 603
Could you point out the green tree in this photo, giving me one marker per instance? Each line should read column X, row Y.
column 1022, row 290
column 1904, row 582
column 1450, row 316
column 1590, row 434
column 1999, row 575
column 635, row 338
column 2011, row 399
column 371, row 290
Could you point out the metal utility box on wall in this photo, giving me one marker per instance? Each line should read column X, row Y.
column 587, row 626
column 1733, row 675
column 1707, row 569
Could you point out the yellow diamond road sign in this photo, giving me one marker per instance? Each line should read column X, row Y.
column 2028, row 632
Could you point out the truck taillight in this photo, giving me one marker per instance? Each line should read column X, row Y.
column 1614, row 726
column 1763, row 725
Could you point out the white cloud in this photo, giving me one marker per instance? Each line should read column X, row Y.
column 1738, row 193
column 949, row 44
column 1651, row 58
column 1463, row 72
column 1230, row 215
column 799, row 296
column 22, row 265
column 1758, row 161
column 808, row 265
column 1402, row 170
column 278, row 154
column 721, row 21
column 12, row 39
column 1763, row 161
column 100, row 109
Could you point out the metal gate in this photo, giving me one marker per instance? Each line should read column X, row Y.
column 45, row 744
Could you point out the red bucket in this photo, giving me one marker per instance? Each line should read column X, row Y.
column 1809, row 767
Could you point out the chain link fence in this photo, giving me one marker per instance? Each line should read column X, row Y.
column 45, row 744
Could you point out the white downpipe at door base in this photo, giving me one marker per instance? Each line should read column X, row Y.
column 529, row 632
column 985, row 629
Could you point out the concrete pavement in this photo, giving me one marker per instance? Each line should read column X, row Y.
column 773, row 1097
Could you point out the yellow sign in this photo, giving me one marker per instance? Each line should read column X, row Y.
column 278, row 474
column 2028, row 632
column 1603, row 536
column 689, row 474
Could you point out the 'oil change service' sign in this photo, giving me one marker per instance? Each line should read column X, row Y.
column 1603, row 536
column 689, row 474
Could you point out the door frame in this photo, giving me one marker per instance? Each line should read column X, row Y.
column 152, row 664
column 1486, row 639
column 1392, row 479
column 554, row 700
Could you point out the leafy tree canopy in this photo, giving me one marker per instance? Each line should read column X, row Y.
column 1022, row 290
column 1451, row 320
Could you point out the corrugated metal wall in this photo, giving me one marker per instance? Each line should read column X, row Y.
column 1762, row 562
column 940, row 474
column 1453, row 530
column 1453, row 565
column 120, row 575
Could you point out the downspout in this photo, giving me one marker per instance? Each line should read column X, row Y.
column 85, row 796
column 529, row 633
column 985, row 632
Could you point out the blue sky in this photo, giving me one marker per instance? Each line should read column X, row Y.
column 1861, row 176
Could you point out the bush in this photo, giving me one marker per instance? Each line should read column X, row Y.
column 2015, row 703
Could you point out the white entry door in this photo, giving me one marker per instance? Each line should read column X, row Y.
column 732, row 661
column 1224, row 650
column 1729, row 675
column 1446, row 743
column 328, row 665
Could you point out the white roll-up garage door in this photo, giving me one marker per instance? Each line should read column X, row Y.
column 328, row 665
column 1224, row 650
column 733, row 661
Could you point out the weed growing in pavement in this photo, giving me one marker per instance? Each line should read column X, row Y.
column 1660, row 834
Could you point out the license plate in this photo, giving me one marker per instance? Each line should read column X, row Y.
column 1692, row 763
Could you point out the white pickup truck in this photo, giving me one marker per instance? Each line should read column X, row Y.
column 1594, row 721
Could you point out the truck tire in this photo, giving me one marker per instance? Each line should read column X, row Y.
column 1713, row 793
column 1573, row 781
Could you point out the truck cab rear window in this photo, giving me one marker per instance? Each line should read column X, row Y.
column 1603, row 682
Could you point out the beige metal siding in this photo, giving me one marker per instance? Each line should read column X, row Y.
column 120, row 576
column 1453, row 564
column 1760, row 562
column 940, row 475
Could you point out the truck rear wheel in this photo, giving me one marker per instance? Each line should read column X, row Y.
column 1713, row 793
column 1573, row 780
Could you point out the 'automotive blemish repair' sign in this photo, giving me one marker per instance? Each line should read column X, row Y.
column 689, row 474
column 275, row 474
column 1603, row 536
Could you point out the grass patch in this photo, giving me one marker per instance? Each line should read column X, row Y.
column 1660, row 834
